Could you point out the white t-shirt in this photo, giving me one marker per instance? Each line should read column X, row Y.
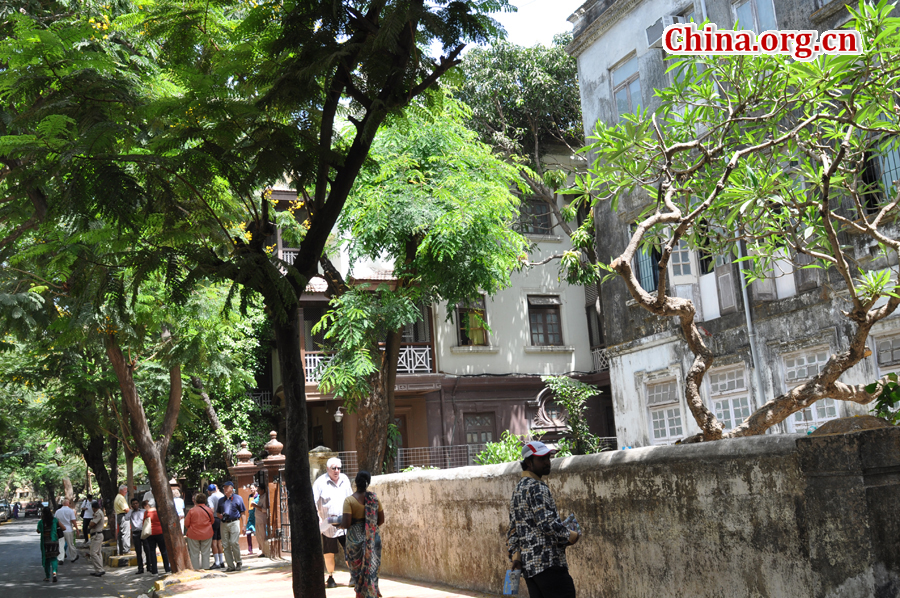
column 86, row 507
column 213, row 500
column 179, row 506
column 329, row 497
column 66, row 516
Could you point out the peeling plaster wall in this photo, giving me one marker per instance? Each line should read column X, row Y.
column 605, row 33
column 771, row 516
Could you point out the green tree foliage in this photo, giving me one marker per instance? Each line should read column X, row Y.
column 573, row 396
column 526, row 105
column 524, row 101
column 437, row 203
column 164, row 121
column 779, row 168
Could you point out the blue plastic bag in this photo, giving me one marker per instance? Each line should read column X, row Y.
column 511, row 583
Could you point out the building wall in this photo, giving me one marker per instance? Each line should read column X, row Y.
column 646, row 350
column 772, row 516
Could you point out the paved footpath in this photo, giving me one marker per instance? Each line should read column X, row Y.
column 262, row 577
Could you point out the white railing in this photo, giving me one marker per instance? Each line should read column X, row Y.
column 437, row 457
column 314, row 364
column 289, row 255
column 414, row 359
column 601, row 359
column 262, row 398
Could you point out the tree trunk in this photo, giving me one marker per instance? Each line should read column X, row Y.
column 68, row 491
column 153, row 453
column 307, row 564
column 129, row 470
column 213, row 419
column 372, row 426
column 93, row 456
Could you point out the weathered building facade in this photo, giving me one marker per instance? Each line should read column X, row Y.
column 459, row 383
column 792, row 321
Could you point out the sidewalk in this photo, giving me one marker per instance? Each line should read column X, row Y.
column 262, row 577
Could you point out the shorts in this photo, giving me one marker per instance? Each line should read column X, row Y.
column 330, row 545
column 217, row 529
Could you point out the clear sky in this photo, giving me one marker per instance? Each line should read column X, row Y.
column 537, row 21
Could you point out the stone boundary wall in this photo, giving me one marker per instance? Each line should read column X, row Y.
column 770, row 516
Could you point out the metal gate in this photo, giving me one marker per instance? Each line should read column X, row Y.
column 284, row 533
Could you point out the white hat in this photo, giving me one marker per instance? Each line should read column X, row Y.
column 333, row 461
column 537, row 449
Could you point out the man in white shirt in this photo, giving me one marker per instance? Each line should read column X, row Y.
column 329, row 492
column 218, row 551
column 87, row 513
column 69, row 520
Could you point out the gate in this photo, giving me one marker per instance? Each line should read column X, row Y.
column 284, row 533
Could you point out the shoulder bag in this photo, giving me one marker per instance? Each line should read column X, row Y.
column 147, row 527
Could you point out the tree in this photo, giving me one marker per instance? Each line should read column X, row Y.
column 778, row 172
column 573, row 395
column 438, row 204
column 526, row 104
column 166, row 121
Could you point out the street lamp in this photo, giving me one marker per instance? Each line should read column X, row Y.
column 338, row 415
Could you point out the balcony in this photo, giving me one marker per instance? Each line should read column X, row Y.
column 601, row 359
column 415, row 358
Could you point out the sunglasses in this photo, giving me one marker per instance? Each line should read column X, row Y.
column 335, row 468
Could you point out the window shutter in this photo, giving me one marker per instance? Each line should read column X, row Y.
column 764, row 289
column 725, row 285
column 805, row 278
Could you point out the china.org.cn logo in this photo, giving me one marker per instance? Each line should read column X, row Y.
column 802, row 45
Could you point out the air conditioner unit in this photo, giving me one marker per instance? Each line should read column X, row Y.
column 655, row 31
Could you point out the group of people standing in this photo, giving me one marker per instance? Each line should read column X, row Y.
column 350, row 519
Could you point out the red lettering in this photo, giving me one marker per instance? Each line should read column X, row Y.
column 726, row 38
column 671, row 38
column 744, row 41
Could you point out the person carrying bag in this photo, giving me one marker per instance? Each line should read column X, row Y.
column 51, row 531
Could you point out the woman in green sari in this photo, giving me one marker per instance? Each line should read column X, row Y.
column 50, row 530
column 362, row 516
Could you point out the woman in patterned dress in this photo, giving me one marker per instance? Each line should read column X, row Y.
column 362, row 516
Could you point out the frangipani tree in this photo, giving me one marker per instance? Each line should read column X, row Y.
column 764, row 159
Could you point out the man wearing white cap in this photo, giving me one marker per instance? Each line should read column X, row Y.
column 329, row 493
column 537, row 538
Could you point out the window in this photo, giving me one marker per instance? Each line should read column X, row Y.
column 757, row 15
column 879, row 175
column 479, row 428
column 627, row 87
column 681, row 260
column 725, row 284
column 420, row 330
column 888, row 352
column 311, row 317
column 470, row 319
column 535, row 218
column 728, row 391
column 665, row 412
column 798, row 368
column 646, row 265
column 544, row 320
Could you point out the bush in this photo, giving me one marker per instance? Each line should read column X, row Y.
column 509, row 448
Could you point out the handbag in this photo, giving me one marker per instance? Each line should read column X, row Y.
column 51, row 550
column 51, row 547
column 146, row 528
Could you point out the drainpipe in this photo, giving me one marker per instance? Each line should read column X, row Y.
column 703, row 8
column 751, row 332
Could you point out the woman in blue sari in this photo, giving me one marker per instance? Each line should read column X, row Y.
column 362, row 516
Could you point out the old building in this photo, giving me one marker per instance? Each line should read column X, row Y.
column 794, row 315
column 460, row 384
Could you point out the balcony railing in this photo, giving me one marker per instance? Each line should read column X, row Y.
column 314, row 364
column 414, row 358
column 289, row 255
column 263, row 398
column 601, row 359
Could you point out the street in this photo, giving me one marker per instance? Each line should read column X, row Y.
column 23, row 577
